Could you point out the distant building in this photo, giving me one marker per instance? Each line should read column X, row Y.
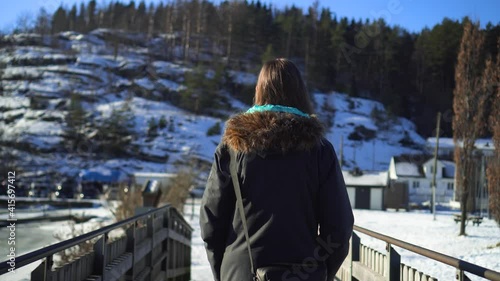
column 447, row 146
column 415, row 172
column 365, row 189
column 485, row 148
column 164, row 179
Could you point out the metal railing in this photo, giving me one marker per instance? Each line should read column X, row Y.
column 157, row 246
column 364, row 263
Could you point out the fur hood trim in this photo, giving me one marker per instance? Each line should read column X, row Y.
column 272, row 131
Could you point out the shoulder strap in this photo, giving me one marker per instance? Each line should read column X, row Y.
column 239, row 202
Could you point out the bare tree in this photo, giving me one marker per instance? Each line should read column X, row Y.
column 200, row 24
column 24, row 23
column 43, row 22
column 491, row 83
column 186, row 28
column 468, row 104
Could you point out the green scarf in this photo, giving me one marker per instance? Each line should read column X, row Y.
column 276, row 108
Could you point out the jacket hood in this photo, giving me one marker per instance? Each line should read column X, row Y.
column 272, row 131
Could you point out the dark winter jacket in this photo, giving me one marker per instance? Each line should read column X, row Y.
column 290, row 183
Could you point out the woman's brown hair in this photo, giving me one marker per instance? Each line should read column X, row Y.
column 280, row 83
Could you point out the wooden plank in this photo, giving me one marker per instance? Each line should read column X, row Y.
column 143, row 274
column 161, row 276
column 363, row 272
column 118, row 267
column 160, row 259
column 142, row 249
column 160, row 236
column 176, row 272
column 404, row 273
column 179, row 238
column 411, row 274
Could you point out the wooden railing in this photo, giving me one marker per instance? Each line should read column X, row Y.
column 365, row 263
column 157, row 246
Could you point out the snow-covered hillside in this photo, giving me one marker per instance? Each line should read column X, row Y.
column 38, row 76
column 361, row 128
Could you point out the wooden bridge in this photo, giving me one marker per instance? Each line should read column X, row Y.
column 366, row 264
column 157, row 246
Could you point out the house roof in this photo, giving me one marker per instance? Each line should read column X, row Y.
column 412, row 165
column 102, row 175
column 367, row 179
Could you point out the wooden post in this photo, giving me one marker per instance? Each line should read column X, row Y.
column 150, row 258
column 100, row 256
column 43, row 271
column 166, row 242
column 393, row 266
column 354, row 253
column 131, row 232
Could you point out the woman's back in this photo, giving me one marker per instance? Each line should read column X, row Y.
column 284, row 169
column 293, row 192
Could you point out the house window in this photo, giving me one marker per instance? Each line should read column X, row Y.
column 416, row 184
column 449, row 186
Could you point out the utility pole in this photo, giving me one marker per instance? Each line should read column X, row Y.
column 434, row 170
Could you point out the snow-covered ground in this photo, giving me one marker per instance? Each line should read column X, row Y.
column 36, row 235
column 417, row 228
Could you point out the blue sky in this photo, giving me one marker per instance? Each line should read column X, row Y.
column 410, row 14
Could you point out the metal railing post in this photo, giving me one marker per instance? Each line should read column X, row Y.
column 131, row 232
column 100, row 256
column 166, row 223
column 393, row 266
column 43, row 271
column 150, row 257
column 461, row 276
column 353, row 254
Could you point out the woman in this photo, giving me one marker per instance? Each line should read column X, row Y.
column 294, row 196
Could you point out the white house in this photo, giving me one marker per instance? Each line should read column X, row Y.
column 484, row 151
column 365, row 189
column 164, row 179
column 447, row 146
column 416, row 171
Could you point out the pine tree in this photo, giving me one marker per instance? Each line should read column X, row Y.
column 152, row 128
column 117, row 131
column 468, row 105
column 142, row 20
column 81, row 20
column 268, row 54
column 43, row 23
column 92, row 15
column 60, row 21
column 76, row 119
column 72, row 18
column 162, row 123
